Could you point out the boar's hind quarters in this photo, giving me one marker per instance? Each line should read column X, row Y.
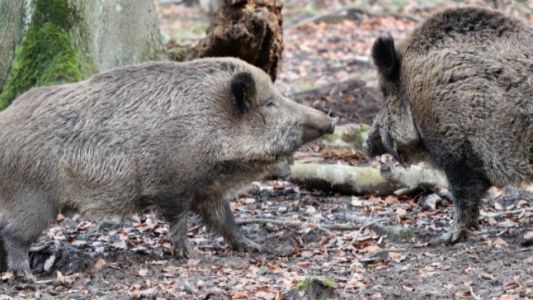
column 244, row 90
column 385, row 58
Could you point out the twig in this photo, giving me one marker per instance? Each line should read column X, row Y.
column 290, row 223
column 46, row 281
column 378, row 256
column 385, row 252
column 524, row 250
column 503, row 213
column 474, row 294
column 393, row 231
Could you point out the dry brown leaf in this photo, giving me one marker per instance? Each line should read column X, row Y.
column 98, row 265
column 310, row 209
column 408, row 287
column 239, row 295
column 263, row 294
column 356, row 202
column 170, row 271
column 67, row 279
column 7, row 275
column 498, row 242
column 397, row 256
column 306, row 253
column 371, row 248
column 488, row 276
column 401, row 212
column 143, row 272
column 511, row 286
column 463, row 294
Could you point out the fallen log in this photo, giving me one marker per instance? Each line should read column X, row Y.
column 366, row 180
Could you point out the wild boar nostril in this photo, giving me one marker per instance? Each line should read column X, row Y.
column 329, row 127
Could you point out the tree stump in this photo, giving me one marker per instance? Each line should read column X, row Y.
column 248, row 29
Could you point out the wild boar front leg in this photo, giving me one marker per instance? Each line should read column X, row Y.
column 216, row 215
column 178, row 236
column 468, row 185
column 174, row 211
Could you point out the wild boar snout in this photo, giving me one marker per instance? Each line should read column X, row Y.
column 373, row 146
column 315, row 124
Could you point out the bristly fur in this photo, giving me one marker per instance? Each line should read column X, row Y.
column 464, row 98
column 163, row 135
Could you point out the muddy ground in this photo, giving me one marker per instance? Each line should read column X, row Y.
column 325, row 66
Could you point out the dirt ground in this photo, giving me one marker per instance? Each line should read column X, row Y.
column 326, row 66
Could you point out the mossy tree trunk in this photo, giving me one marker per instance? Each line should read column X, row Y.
column 45, row 42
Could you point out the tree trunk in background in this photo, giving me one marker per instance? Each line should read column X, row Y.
column 10, row 29
column 44, row 42
column 248, row 29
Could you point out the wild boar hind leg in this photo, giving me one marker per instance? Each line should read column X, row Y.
column 216, row 215
column 27, row 217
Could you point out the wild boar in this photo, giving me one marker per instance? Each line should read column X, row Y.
column 178, row 137
column 459, row 92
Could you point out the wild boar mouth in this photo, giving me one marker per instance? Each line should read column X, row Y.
column 310, row 133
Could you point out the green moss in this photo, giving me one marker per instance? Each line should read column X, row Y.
column 303, row 284
column 328, row 282
column 56, row 12
column 45, row 55
column 179, row 52
column 360, row 135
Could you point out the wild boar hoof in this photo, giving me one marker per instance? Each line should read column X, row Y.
column 182, row 249
column 246, row 245
column 456, row 234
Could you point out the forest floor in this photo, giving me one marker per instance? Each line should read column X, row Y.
column 325, row 65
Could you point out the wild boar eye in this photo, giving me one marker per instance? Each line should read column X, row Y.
column 271, row 103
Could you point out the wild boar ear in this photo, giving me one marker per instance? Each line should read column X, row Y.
column 385, row 58
column 244, row 91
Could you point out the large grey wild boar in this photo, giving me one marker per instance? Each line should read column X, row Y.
column 177, row 137
column 459, row 93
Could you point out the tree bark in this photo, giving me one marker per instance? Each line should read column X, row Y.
column 10, row 29
column 120, row 32
column 248, row 29
column 45, row 42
